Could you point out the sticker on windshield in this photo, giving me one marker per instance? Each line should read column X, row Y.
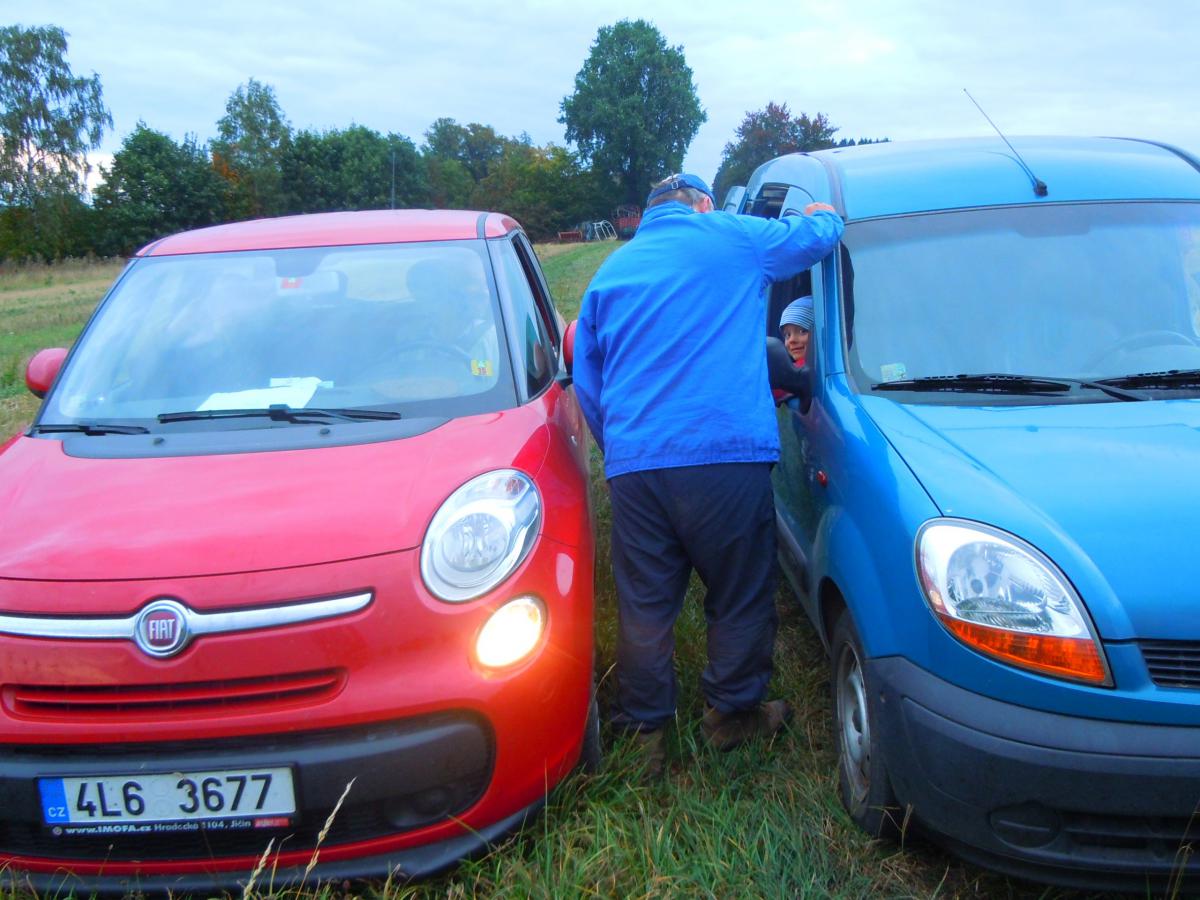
column 294, row 392
column 481, row 368
column 892, row 371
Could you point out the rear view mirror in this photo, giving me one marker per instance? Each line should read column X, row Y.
column 43, row 369
column 783, row 374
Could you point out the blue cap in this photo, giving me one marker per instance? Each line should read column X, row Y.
column 678, row 183
column 798, row 312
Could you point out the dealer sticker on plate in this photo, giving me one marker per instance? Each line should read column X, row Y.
column 176, row 801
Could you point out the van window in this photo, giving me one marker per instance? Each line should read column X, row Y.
column 1094, row 290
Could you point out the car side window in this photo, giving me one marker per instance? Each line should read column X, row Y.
column 528, row 329
column 533, row 273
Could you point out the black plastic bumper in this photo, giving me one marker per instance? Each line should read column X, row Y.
column 1073, row 801
column 406, row 775
column 399, row 865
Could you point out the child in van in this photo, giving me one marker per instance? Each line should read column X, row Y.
column 796, row 326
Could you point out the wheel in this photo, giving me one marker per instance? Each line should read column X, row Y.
column 1157, row 338
column 863, row 781
column 591, row 756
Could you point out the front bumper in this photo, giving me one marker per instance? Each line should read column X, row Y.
column 446, row 755
column 1073, row 801
column 402, row 776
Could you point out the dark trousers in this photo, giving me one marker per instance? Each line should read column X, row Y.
column 719, row 520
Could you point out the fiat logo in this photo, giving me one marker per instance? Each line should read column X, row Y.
column 161, row 628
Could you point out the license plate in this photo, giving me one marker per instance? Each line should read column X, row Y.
column 215, row 800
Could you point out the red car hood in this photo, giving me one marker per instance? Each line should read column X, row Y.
column 71, row 519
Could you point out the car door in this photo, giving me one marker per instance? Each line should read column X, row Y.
column 799, row 496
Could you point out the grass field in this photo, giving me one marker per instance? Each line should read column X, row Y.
column 761, row 821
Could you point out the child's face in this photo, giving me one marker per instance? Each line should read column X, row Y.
column 795, row 339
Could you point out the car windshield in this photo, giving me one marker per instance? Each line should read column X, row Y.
column 1073, row 291
column 408, row 328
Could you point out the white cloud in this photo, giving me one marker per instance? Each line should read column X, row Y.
column 875, row 67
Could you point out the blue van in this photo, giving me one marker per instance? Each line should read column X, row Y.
column 989, row 493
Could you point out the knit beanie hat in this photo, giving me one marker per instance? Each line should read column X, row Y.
column 798, row 312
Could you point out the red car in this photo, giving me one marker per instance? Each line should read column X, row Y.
column 300, row 538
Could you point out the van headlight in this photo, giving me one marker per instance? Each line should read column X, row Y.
column 1003, row 597
column 480, row 535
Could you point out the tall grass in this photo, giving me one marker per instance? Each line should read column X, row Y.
column 42, row 306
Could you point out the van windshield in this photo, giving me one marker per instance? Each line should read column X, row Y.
column 371, row 331
column 1086, row 291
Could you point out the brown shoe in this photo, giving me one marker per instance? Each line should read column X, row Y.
column 652, row 750
column 728, row 730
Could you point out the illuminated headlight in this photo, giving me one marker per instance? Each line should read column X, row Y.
column 480, row 535
column 1004, row 598
column 511, row 633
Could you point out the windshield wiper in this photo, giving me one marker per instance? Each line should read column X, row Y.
column 978, row 384
column 92, row 429
column 281, row 412
column 999, row 383
column 1171, row 378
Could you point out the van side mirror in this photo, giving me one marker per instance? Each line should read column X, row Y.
column 784, row 375
column 43, row 369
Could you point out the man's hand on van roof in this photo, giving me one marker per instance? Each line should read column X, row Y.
column 814, row 207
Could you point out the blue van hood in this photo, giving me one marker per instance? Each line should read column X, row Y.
column 1109, row 491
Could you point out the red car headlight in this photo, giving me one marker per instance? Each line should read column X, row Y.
column 480, row 535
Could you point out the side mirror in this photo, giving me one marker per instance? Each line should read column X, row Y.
column 568, row 345
column 43, row 369
column 784, row 375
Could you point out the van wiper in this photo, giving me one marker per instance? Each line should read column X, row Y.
column 92, row 429
column 1171, row 378
column 281, row 412
column 999, row 383
column 978, row 384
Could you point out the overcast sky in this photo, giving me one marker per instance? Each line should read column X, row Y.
column 893, row 68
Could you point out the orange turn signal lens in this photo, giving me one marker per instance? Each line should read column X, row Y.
column 1076, row 659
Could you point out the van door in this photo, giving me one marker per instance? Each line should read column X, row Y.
column 734, row 198
column 798, row 498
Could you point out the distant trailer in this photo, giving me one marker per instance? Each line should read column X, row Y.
column 570, row 237
column 628, row 218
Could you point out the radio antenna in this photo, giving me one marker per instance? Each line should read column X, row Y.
column 1039, row 186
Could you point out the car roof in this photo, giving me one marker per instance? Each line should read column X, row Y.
column 337, row 229
column 891, row 178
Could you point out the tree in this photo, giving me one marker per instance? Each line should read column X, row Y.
column 357, row 168
column 49, row 119
column 153, row 188
column 248, row 149
column 450, row 184
column 477, row 147
column 765, row 134
column 634, row 110
column 546, row 189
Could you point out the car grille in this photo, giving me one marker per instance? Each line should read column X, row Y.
column 103, row 701
column 1172, row 663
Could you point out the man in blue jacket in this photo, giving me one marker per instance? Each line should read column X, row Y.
column 671, row 372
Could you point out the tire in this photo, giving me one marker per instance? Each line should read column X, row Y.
column 863, row 782
column 591, row 757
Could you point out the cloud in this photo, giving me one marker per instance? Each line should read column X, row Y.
column 875, row 67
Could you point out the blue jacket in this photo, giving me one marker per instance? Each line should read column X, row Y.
column 670, row 366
